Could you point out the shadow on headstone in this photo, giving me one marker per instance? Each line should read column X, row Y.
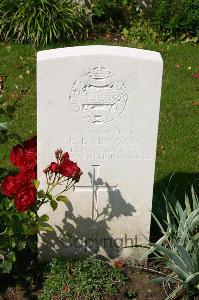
column 81, row 236
column 173, row 187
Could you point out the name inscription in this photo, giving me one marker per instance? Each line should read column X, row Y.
column 100, row 144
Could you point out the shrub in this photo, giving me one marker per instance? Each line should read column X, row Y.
column 181, row 17
column 116, row 13
column 41, row 21
column 140, row 31
column 20, row 201
column 178, row 247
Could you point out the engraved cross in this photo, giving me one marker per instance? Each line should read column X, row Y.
column 96, row 186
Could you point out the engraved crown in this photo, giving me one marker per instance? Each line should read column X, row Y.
column 99, row 72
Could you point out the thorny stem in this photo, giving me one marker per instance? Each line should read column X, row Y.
column 67, row 188
column 51, row 186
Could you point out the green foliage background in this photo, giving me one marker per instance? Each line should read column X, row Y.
column 176, row 18
column 41, row 22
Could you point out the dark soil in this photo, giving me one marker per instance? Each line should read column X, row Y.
column 142, row 288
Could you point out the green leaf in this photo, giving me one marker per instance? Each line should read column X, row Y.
column 16, row 137
column 3, row 136
column 49, row 196
column 43, row 218
column 5, row 125
column 193, row 279
column 2, row 233
column 62, row 199
column 41, row 194
column 13, row 244
column 185, row 256
column 21, row 245
column 2, row 111
column 152, row 248
column 182, row 274
column 53, row 204
column 161, row 280
column 45, row 228
column 10, row 109
column 3, row 173
column 24, row 227
column 158, row 223
column 36, row 183
column 173, row 258
column 6, row 266
column 195, row 199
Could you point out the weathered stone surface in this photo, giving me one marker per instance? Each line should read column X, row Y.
column 101, row 104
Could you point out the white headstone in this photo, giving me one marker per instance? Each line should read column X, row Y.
column 101, row 104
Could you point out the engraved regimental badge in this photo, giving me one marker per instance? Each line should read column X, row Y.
column 99, row 96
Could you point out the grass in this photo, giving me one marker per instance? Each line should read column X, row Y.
column 177, row 150
column 17, row 62
column 89, row 278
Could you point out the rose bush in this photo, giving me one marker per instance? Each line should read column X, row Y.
column 21, row 186
column 25, row 198
column 24, row 156
column 20, row 199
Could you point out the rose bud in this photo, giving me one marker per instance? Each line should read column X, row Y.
column 58, row 153
column 54, row 167
column 46, row 170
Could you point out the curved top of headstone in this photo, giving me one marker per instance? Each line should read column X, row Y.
column 99, row 49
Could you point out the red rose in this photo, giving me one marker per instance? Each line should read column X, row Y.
column 30, row 147
column 70, row 169
column 8, row 186
column 77, row 174
column 25, row 156
column 66, row 168
column 11, row 184
column 25, row 197
column 54, row 167
column 65, row 156
column 25, row 178
column 17, row 156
